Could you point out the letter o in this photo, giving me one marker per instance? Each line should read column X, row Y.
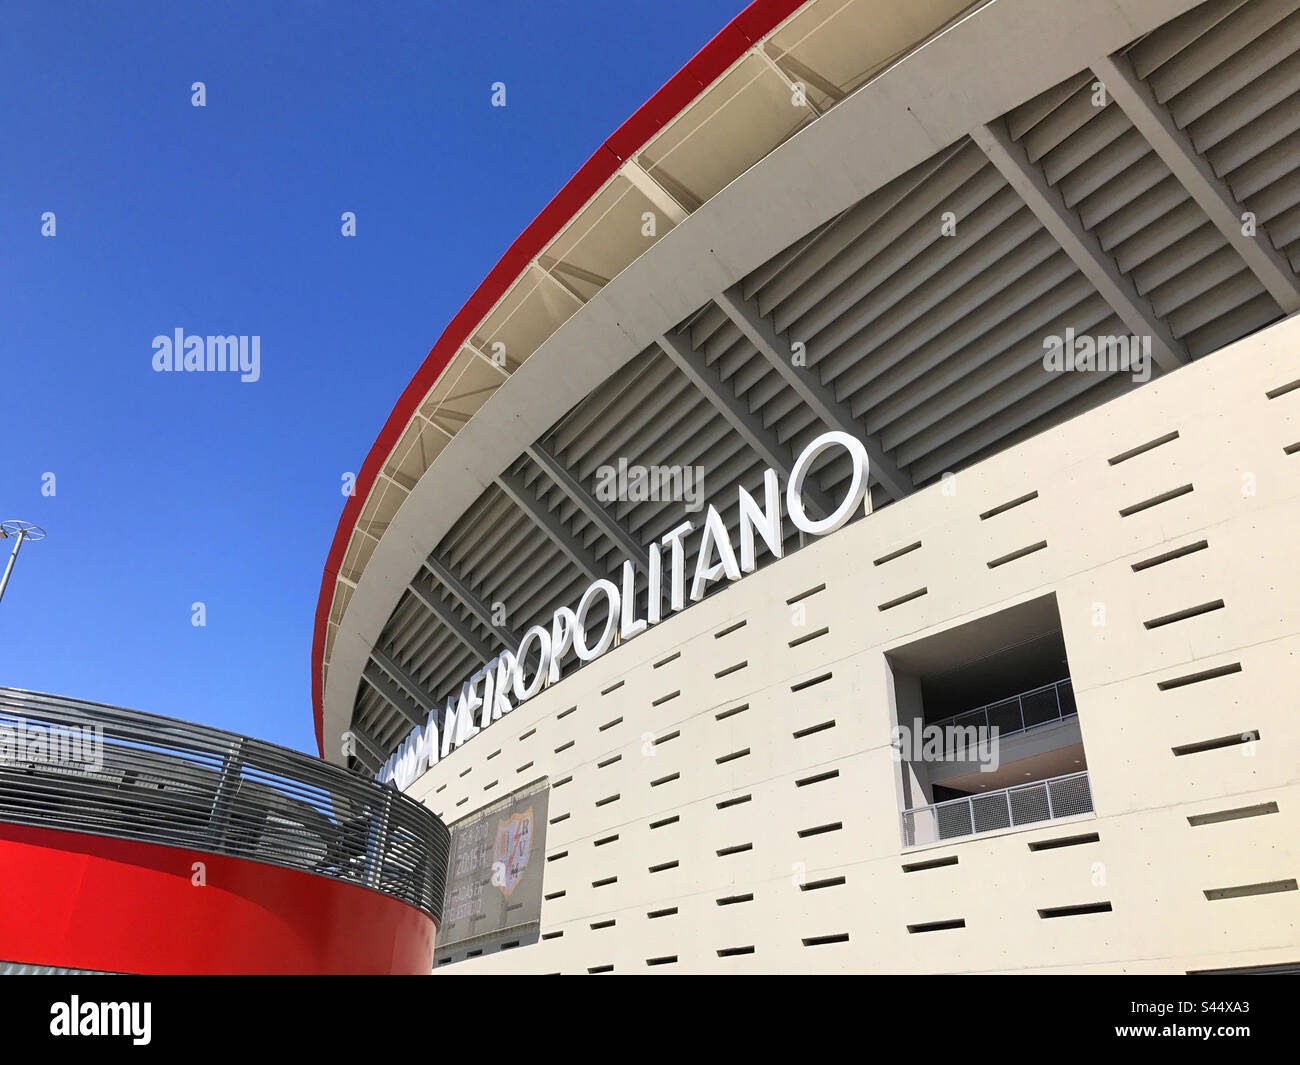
column 585, row 604
column 857, row 487
column 527, row 691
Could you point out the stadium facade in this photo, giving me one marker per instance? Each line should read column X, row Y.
column 854, row 526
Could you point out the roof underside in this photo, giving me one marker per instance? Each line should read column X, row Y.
column 933, row 342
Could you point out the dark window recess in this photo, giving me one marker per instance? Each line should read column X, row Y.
column 1170, row 556
column 818, row 885
column 1142, row 449
column 933, row 863
column 1074, row 911
column 820, row 830
column 937, row 926
column 1197, row 678
column 1216, row 744
column 897, row 554
column 810, row 637
column 1004, row 507
column 1235, row 814
column 821, row 941
column 1064, row 841
column 810, row 682
column 1155, row 501
column 732, row 900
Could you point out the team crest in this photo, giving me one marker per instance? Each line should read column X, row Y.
column 514, row 840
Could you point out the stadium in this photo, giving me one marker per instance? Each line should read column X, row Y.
column 852, row 528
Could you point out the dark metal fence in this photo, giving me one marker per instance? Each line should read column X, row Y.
column 87, row 767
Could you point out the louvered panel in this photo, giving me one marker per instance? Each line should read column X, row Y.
column 1222, row 299
column 1210, row 50
column 1273, row 89
column 1163, row 44
column 925, row 387
column 710, row 319
column 1185, row 254
column 982, row 272
column 1116, row 228
column 1114, row 173
column 1081, row 392
column 897, row 290
column 1156, row 247
column 1022, row 119
column 1195, row 284
column 811, row 264
column 1244, row 76
column 1239, row 322
column 961, row 184
column 1050, row 288
column 1094, row 152
column 1245, row 159
column 1069, row 119
column 1025, row 392
column 934, row 420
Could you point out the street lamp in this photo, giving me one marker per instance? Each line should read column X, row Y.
column 20, row 530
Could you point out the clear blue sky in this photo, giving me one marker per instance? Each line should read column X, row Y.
column 172, row 489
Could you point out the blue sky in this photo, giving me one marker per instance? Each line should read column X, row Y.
column 172, row 489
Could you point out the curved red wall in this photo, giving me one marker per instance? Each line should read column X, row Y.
column 91, row 902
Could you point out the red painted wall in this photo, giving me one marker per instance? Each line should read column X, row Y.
column 91, row 902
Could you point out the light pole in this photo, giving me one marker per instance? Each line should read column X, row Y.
column 20, row 531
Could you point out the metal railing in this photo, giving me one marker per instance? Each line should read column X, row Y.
column 1020, row 713
column 88, row 767
column 1023, row 804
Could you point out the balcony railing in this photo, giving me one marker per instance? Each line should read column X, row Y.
column 1023, row 804
column 1020, row 713
column 87, row 767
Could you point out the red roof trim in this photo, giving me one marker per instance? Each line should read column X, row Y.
column 758, row 19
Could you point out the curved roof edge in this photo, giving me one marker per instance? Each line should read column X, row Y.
column 705, row 67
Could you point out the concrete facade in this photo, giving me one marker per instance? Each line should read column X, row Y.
column 674, row 765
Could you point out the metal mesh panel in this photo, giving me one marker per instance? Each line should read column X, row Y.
column 1070, row 795
column 953, row 820
column 1029, row 804
column 87, row 767
column 990, row 812
column 1025, row 804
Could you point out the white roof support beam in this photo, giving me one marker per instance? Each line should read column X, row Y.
column 658, row 196
column 458, row 628
column 749, row 425
column 772, row 65
column 367, row 760
column 367, row 743
column 1155, row 122
column 381, row 674
column 807, row 383
column 560, row 535
column 472, row 602
column 1080, row 244
column 589, row 504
